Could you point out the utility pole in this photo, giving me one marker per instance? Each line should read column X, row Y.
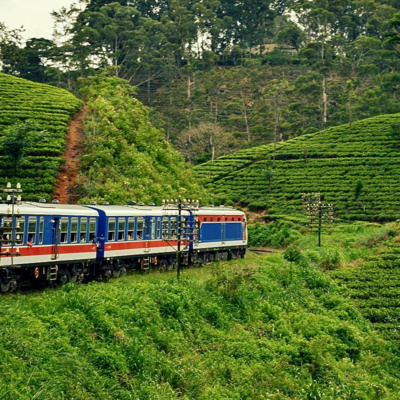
column 9, row 237
column 187, row 232
column 317, row 213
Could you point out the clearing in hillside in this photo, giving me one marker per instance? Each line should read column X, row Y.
column 65, row 188
column 356, row 167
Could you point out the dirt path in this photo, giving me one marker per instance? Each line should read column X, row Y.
column 64, row 190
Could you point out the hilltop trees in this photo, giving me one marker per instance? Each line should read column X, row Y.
column 262, row 70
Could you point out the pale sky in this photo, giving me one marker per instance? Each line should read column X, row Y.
column 34, row 15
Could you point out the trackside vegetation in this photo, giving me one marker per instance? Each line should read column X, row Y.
column 125, row 157
column 33, row 122
column 354, row 166
column 259, row 328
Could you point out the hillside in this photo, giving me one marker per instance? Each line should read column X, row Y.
column 124, row 156
column 356, row 167
column 33, row 123
column 254, row 329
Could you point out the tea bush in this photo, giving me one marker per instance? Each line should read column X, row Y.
column 374, row 287
column 34, row 116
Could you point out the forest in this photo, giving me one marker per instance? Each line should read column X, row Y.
column 220, row 76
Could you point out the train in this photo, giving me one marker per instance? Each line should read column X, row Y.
column 59, row 243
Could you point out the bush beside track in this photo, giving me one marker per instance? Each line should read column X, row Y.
column 356, row 167
column 45, row 112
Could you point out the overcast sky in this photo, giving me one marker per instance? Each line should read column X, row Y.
column 34, row 15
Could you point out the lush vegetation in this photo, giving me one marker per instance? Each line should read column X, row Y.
column 33, row 124
column 374, row 287
column 258, row 328
column 222, row 76
column 125, row 157
column 355, row 167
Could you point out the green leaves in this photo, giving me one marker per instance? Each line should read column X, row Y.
column 125, row 157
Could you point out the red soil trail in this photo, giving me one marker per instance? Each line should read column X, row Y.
column 64, row 190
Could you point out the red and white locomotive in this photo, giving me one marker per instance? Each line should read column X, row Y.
column 60, row 243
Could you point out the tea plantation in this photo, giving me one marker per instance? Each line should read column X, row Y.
column 356, row 167
column 33, row 123
column 374, row 287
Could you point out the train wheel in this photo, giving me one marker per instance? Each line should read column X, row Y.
column 63, row 277
column 122, row 271
column 5, row 287
column 107, row 274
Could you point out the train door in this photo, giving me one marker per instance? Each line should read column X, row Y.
column 56, row 238
column 147, row 229
column 223, row 232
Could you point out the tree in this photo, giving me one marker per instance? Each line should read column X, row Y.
column 10, row 48
column 205, row 139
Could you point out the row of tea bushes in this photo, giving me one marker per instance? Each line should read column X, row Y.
column 334, row 162
column 44, row 112
column 374, row 287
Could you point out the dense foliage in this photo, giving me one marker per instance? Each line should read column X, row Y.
column 355, row 167
column 256, row 329
column 125, row 157
column 33, row 123
column 253, row 71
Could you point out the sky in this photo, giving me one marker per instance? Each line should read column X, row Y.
column 34, row 15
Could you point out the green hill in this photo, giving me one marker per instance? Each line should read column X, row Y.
column 356, row 167
column 125, row 157
column 254, row 329
column 33, row 123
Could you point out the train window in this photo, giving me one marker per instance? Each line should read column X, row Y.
column 158, row 228
column 233, row 218
column 83, row 231
column 64, row 230
column 41, row 226
column 226, row 218
column 121, row 228
column 111, row 229
column 92, row 229
column 165, row 228
column 73, row 235
column 7, row 232
column 205, row 219
column 32, row 222
column 173, row 228
column 147, row 228
column 19, row 231
column 153, row 228
column 139, row 232
column 211, row 219
column 131, row 228
column 218, row 219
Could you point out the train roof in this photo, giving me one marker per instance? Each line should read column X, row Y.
column 32, row 208
column 128, row 210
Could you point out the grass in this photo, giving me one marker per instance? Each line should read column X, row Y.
column 257, row 328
